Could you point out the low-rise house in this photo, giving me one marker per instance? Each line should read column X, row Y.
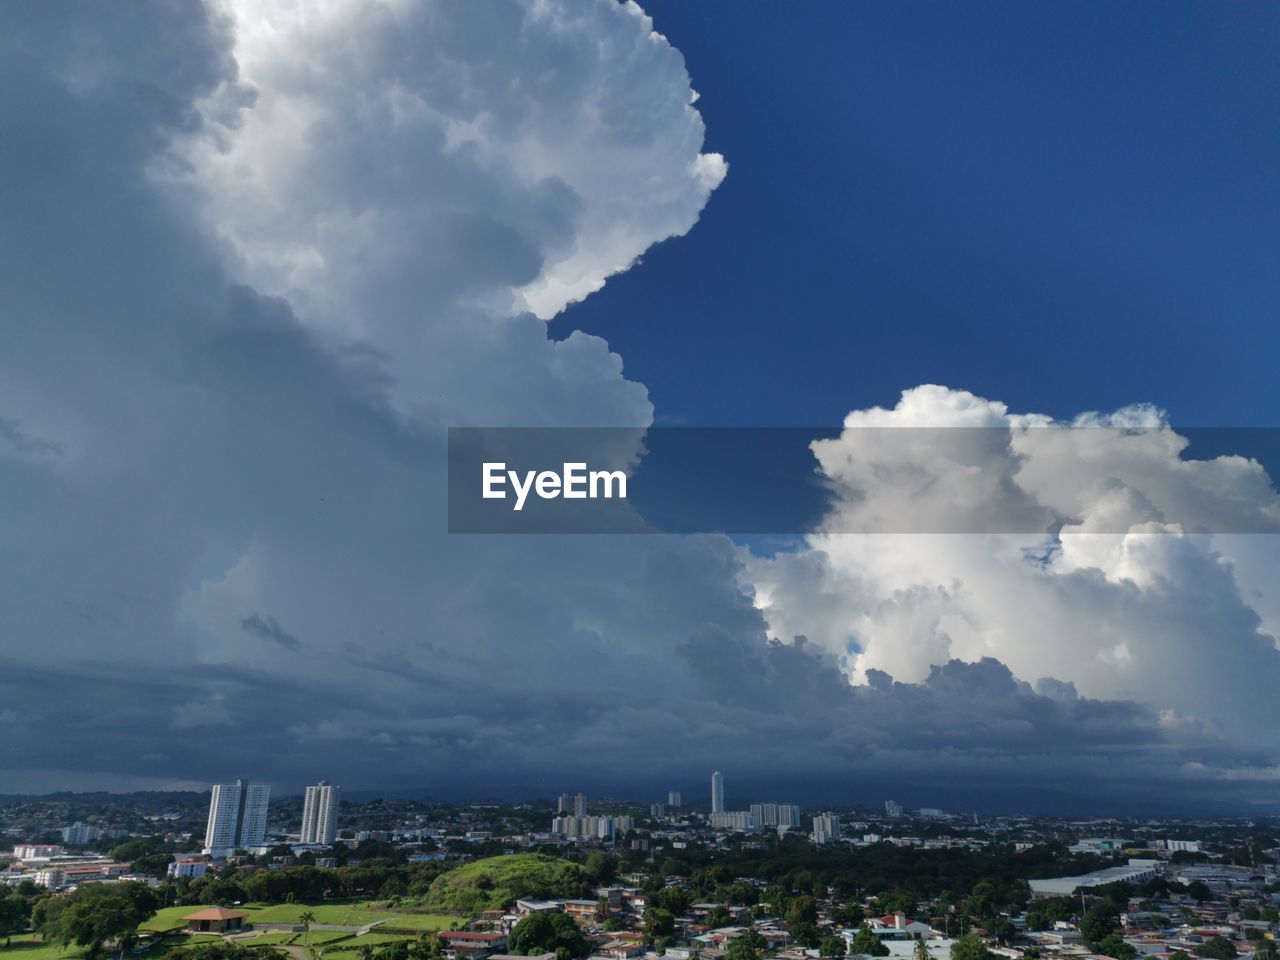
column 215, row 920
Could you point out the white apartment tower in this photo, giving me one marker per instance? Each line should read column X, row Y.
column 673, row 798
column 717, row 793
column 237, row 817
column 773, row 814
column 826, row 828
column 320, row 814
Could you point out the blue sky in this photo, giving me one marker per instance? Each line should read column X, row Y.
column 1062, row 206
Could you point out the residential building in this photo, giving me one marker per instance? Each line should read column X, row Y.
column 37, row 851
column 598, row 828
column 892, row 808
column 717, row 792
column 79, row 834
column 773, row 814
column 673, row 798
column 826, row 828
column 189, row 867
column 237, row 817
column 320, row 814
column 738, row 821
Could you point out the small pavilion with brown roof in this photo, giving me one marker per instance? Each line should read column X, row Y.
column 215, row 920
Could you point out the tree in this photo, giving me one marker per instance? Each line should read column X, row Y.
column 776, row 896
column 426, row 947
column 849, row 915
column 999, row 928
column 748, row 945
column 802, row 910
column 94, row 915
column 833, row 947
column 806, row 933
column 548, row 933
column 1113, row 945
column 670, row 898
column 1098, row 923
column 1199, row 890
column 739, row 894
column 865, row 941
column 921, row 951
column 600, row 867
column 1216, row 948
column 14, row 912
column 223, row 950
column 153, row 865
column 969, row 947
column 658, row 923
column 307, row 917
column 719, row 917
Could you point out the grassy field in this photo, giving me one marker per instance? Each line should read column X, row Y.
column 264, row 938
column 28, row 946
column 170, row 918
column 492, row 882
column 422, row 921
column 354, row 914
column 375, row 939
column 324, row 936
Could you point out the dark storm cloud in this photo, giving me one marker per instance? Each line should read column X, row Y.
column 268, row 629
column 187, row 467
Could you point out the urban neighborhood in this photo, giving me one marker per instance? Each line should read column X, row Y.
column 238, row 872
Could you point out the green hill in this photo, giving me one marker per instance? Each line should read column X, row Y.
column 494, row 883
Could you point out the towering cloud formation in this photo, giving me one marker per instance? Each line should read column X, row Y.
column 1126, row 601
column 420, row 176
column 262, row 254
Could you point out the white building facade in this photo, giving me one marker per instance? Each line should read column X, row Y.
column 237, row 817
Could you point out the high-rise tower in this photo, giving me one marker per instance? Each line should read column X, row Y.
column 320, row 814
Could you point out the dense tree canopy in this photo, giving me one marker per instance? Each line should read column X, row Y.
column 97, row 914
column 548, row 933
column 865, row 941
column 1216, row 948
column 969, row 947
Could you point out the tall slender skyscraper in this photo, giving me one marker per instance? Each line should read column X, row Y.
column 717, row 793
column 237, row 817
column 320, row 814
column 580, row 805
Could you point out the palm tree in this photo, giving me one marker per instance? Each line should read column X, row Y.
column 922, row 952
column 308, row 917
